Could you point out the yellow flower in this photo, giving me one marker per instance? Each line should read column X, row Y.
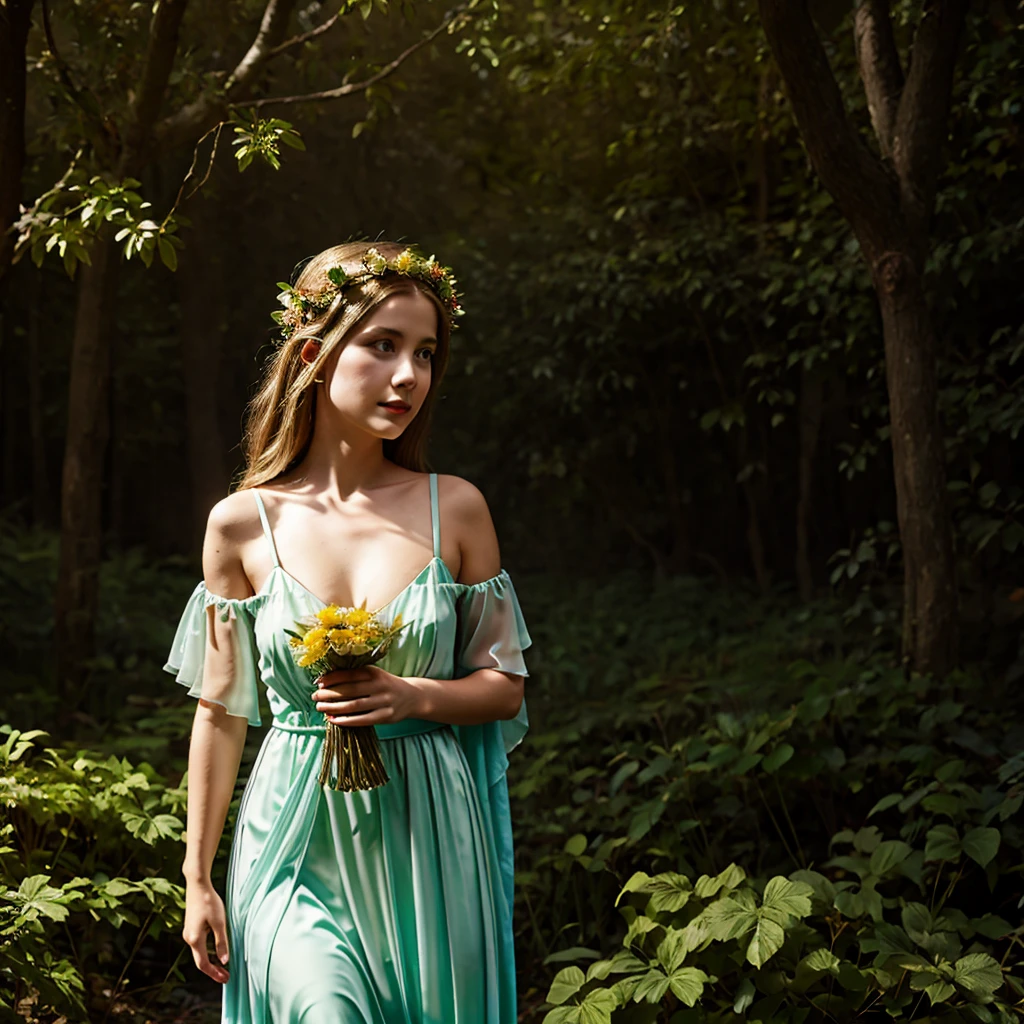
column 403, row 261
column 336, row 615
column 314, row 652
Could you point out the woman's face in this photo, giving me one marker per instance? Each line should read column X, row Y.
column 382, row 373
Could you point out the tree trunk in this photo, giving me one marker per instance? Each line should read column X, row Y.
column 810, row 429
column 15, row 20
column 888, row 203
column 200, row 281
column 82, row 478
column 919, row 463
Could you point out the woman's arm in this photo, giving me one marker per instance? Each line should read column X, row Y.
column 217, row 741
column 485, row 695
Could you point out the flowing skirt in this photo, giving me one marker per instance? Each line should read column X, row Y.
column 389, row 911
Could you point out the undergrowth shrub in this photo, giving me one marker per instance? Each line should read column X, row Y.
column 90, row 907
column 785, row 740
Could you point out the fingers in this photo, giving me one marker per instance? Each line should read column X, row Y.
column 338, row 676
column 354, row 683
column 220, row 932
column 197, row 943
column 379, row 716
column 357, row 706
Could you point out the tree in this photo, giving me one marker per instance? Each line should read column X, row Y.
column 87, row 215
column 888, row 197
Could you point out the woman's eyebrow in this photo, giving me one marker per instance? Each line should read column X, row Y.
column 401, row 334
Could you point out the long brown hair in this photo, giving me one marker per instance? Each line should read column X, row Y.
column 279, row 419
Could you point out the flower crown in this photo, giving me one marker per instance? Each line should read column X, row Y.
column 301, row 305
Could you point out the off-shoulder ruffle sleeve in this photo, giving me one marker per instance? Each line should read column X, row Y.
column 187, row 656
column 491, row 633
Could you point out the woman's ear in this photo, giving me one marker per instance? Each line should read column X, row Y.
column 310, row 350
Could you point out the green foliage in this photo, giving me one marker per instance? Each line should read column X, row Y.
column 90, row 845
column 677, row 294
column 68, row 217
column 779, row 740
column 262, row 137
column 731, row 945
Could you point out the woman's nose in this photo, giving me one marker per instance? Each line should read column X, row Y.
column 405, row 374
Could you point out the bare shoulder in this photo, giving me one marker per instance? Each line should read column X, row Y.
column 232, row 517
column 466, row 515
column 463, row 501
column 230, row 524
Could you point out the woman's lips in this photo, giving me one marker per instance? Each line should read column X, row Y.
column 399, row 408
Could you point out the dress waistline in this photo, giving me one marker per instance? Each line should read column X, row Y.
column 387, row 731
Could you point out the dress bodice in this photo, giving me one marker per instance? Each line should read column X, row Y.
column 452, row 630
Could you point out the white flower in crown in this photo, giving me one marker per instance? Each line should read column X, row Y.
column 375, row 262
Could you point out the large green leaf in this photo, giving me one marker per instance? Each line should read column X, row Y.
column 597, row 1007
column 566, row 984
column 673, row 948
column 727, row 919
column 688, row 984
column 821, row 960
column 669, row 892
column 35, row 898
column 637, row 882
column 981, row 845
column 653, row 986
column 563, row 1015
column 576, row 844
column 917, row 920
column 767, row 941
column 942, row 843
column 706, row 886
column 939, row 992
column 777, row 758
column 784, row 900
column 888, row 855
column 978, row 973
column 744, row 997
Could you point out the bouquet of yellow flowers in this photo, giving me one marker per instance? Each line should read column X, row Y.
column 333, row 638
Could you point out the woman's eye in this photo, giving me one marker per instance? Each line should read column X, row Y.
column 429, row 353
column 384, row 341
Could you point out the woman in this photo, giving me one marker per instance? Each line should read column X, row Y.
column 391, row 904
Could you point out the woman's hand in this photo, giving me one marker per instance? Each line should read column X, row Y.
column 366, row 696
column 204, row 913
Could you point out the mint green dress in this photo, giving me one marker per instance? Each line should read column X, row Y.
column 392, row 905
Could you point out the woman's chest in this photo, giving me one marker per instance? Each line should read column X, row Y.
column 425, row 645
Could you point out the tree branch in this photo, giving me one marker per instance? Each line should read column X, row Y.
column 305, row 37
column 353, row 87
column 880, row 70
column 202, row 114
column 865, row 191
column 160, row 53
column 921, row 121
column 86, row 100
column 272, row 28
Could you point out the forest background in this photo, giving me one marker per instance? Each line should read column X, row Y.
column 775, row 770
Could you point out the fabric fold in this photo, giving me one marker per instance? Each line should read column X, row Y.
column 187, row 657
column 491, row 633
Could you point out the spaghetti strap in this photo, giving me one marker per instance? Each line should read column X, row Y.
column 435, row 516
column 266, row 526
